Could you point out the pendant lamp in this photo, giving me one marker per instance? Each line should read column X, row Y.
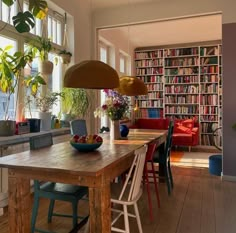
column 91, row 74
column 131, row 86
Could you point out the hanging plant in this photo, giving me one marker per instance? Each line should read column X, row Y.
column 24, row 21
column 65, row 56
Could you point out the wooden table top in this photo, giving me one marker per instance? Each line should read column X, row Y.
column 64, row 158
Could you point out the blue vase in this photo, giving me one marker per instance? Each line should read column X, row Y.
column 124, row 130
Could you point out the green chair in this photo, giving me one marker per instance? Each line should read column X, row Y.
column 163, row 159
column 54, row 191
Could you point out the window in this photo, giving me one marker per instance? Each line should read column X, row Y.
column 124, row 63
column 54, row 28
column 3, row 97
column 7, row 13
column 103, row 52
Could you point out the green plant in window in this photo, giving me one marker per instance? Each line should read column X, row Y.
column 75, row 102
column 24, row 20
column 11, row 68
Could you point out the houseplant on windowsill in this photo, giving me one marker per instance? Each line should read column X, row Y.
column 74, row 104
column 33, row 83
column 11, row 69
column 115, row 107
column 45, row 104
column 41, row 47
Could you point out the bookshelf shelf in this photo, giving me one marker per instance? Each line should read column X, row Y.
column 182, row 83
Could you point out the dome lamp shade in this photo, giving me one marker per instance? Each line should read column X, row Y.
column 131, row 86
column 91, row 74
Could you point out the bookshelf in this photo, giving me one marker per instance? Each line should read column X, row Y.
column 182, row 83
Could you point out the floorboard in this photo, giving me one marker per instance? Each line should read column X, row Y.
column 200, row 203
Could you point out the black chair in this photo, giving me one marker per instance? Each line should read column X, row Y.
column 163, row 158
column 54, row 191
column 78, row 127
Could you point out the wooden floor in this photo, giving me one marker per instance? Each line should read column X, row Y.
column 200, row 203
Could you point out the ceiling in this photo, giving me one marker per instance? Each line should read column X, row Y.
column 169, row 32
column 102, row 4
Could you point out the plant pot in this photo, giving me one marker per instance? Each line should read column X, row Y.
column 45, row 67
column 65, row 58
column 45, row 120
column 34, row 125
column 7, row 128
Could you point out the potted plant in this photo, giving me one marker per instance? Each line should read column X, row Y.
column 74, row 104
column 44, row 104
column 11, row 67
column 42, row 46
column 33, row 83
column 65, row 56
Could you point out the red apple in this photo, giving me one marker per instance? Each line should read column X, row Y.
column 82, row 139
column 76, row 136
column 99, row 139
column 94, row 136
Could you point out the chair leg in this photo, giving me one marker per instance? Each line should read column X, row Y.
column 167, row 178
column 126, row 219
column 34, row 213
column 171, row 177
column 155, row 183
column 50, row 210
column 75, row 215
column 138, row 218
column 146, row 180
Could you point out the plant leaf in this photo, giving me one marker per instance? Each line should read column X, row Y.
column 8, row 2
column 39, row 8
column 23, row 22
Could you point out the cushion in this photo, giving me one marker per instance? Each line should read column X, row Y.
column 182, row 129
column 189, row 123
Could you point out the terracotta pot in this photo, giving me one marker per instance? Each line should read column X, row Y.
column 45, row 67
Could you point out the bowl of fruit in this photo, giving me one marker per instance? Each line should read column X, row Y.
column 86, row 143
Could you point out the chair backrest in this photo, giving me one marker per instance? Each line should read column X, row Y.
column 133, row 180
column 78, row 127
column 169, row 140
column 40, row 141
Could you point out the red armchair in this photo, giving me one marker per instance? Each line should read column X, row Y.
column 186, row 132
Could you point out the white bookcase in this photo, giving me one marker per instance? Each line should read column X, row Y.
column 182, row 83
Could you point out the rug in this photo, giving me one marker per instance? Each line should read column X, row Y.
column 176, row 156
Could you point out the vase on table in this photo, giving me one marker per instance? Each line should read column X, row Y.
column 115, row 130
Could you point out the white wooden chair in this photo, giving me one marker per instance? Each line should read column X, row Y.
column 130, row 192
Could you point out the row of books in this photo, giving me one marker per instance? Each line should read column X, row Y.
column 182, row 89
column 155, row 87
column 206, row 51
column 209, row 69
column 152, row 78
column 208, row 99
column 181, row 51
column 208, row 127
column 158, row 103
column 209, row 88
column 149, row 113
column 209, row 60
column 148, row 63
column 149, row 54
column 153, row 70
column 208, row 110
column 188, row 99
column 181, row 71
column 187, row 61
column 182, row 109
column 182, row 79
column 213, row 118
column 209, row 78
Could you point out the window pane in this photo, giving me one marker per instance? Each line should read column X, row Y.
column 6, row 11
column 59, row 33
column 3, row 97
column 122, row 64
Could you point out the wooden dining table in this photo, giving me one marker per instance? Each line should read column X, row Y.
column 62, row 163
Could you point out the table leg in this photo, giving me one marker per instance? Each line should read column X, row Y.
column 100, row 212
column 19, row 210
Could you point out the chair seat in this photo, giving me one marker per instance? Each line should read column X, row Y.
column 65, row 189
